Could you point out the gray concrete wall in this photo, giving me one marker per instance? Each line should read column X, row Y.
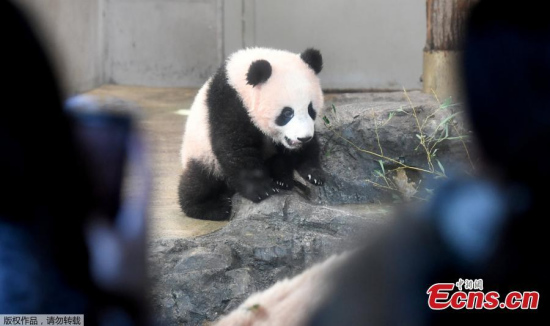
column 73, row 35
column 163, row 42
column 367, row 44
column 372, row 44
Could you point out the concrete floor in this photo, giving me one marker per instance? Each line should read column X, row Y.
column 162, row 123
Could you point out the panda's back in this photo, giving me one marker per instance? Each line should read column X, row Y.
column 197, row 145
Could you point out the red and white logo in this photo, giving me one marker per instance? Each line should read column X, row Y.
column 441, row 296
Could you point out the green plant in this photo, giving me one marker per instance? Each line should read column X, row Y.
column 396, row 179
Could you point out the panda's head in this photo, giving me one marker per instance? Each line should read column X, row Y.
column 281, row 92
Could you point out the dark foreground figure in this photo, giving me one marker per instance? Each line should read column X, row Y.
column 59, row 213
column 490, row 228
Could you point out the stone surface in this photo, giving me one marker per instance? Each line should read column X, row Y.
column 358, row 118
column 202, row 278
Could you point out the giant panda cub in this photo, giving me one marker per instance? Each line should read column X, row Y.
column 250, row 126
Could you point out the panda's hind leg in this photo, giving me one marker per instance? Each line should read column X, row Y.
column 202, row 195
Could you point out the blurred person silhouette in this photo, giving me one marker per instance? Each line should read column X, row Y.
column 491, row 227
column 68, row 243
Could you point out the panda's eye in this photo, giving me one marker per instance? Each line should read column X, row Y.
column 286, row 115
column 288, row 112
column 311, row 111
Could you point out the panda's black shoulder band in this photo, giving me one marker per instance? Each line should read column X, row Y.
column 259, row 72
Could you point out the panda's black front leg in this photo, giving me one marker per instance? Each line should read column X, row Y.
column 281, row 167
column 308, row 163
column 246, row 172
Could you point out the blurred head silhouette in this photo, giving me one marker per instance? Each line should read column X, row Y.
column 39, row 167
column 506, row 67
column 56, row 256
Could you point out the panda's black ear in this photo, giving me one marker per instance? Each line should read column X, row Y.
column 259, row 72
column 313, row 58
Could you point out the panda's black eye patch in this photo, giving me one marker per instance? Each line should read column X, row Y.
column 286, row 115
column 311, row 111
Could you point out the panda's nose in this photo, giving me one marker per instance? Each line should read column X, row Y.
column 305, row 139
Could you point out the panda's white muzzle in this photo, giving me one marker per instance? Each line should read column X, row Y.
column 298, row 132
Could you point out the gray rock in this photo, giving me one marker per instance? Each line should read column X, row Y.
column 197, row 280
column 202, row 278
column 358, row 118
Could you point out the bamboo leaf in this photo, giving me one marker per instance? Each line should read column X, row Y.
column 458, row 137
column 447, row 119
column 441, row 166
column 382, row 166
column 447, row 103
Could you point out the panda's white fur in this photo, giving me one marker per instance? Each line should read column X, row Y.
column 196, row 144
column 292, row 84
column 237, row 137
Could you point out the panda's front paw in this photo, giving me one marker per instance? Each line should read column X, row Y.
column 314, row 176
column 260, row 191
column 256, row 186
column 284, row 183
